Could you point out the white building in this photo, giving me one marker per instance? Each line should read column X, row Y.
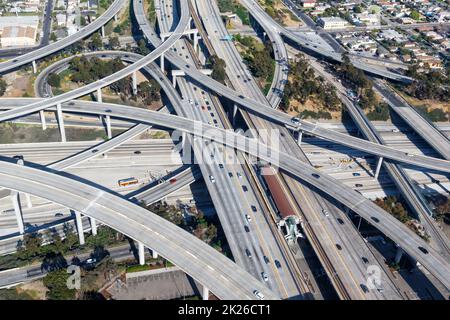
column 332, row 22
column 61, row 19
column 16, row 31
column 17, row 36
column 369, row 19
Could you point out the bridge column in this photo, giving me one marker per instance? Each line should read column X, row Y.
column 161, row 58
column 93, row 226
column 141, row 250
column 174, row 80
column 108, row 126
column 299, row 137
column 103, row 31
column 43, row 123
column 99, row 95
column 195, row 35
column 398, row 255
column 377, row 171
column 79, row 224
column 59, row 115
column 205, row 293
column 34, row 66
column 115, row 16
column 18, row 211
column 234, row 114
column 134, row 77
column 154, row 254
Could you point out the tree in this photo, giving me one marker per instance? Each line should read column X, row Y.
column 415, row 15
column 142, row 48
column 96, row 42
column 54, row 80
column 218, row 68
column 3, row 86
column 56, row 282
column 149, row 91
column 53, row 37
column 114, row 42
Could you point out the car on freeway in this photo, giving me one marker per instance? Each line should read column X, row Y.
column 295, row 120
column 395, row 130
column 239, row 175
column 59, row 214
column 356, row 174
column 248, row 253
column 266, row 259
column 253, row 208
column 137, row 152
column 325, row 212
column 358, row 185
column 212, row 179
column 258, row 294
column 248, row 218
column 264, row 276
column 278, row 264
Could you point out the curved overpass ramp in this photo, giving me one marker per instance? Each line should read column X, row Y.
column 67, row 41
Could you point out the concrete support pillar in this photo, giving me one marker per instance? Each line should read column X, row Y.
column 134, row 77
column 103, row 31
column 141, row 250
column 115, row 16
column 234, row 114
column 299, row 137
column 377, row 171
column 154, row 254
column 398, row 255
column 62, row 129
column 195, row 41
column 162, row 61
column 174, row 80
column 205, row 293
column 108, row 126
column 34, row 66
column 18, row 211
column 99, row 95
column 43, row 123
column 80, row 230
column 93, row 226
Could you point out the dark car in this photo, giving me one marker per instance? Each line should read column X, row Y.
column 278, row 264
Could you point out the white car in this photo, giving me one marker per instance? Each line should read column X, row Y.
column 239, row 175
column 258, row 294
column 325, row 212
column 264, row 276
column 248, row 218
column 395, row 130
column 212, row 179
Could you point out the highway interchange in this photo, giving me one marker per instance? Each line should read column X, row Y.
column 210, row 268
